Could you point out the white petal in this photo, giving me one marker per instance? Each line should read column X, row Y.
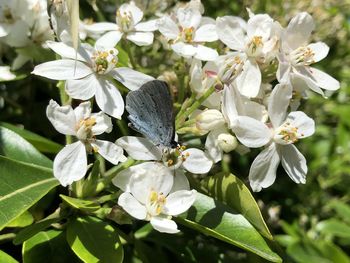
column 110, row 151
column 205, row 53
column 109, row 40
column 250, row 132
column 324, row 80
column 101, row 27
column 232, row 104
column 179, row 202
column 66, row 51
column 109, row 99
column 180, row 181
column 299, row 30
column 188, row 17
column 184, row 50
column 61, row 117
column 230, row 32
column 262, row 173
column 70, row 163
column 131, row 8
column 149, row 26
column 140, row 38
column 212, row 146
column 62, row 69
column 305, row 125
column 82, row 89
column 283, row 72
column 279, row 102
column 206, row 33
column 168, row 27
column 130, row 78
column 164, row 225
column 83, row 111
column 103, row 123
column 320, row 50
column 303, row 76
column 249, row 80
column 139, row 148
column 132, row 206
column 197, row 162
column 294, row 163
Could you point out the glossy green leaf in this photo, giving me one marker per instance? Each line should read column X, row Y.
column 334, row 227
column 342, row 209
column 84, row 205
column 48, row 246
column 22, row 220
column 94, row 240
column 32, row 230
column 233, row 192
column 15, row 147
column 6, row 258
column 39, row 142
column 216, row 219
column 21, row 186
column 332, row 252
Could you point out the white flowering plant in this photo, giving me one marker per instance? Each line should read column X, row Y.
column 93, row 188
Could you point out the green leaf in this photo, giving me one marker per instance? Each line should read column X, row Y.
column 332, row 252
column 6, row 258
column 32, row 230
column 334, row 227
column 84, row 205
column 49, row 246
column 233, row 192
column 15, row 147
column 216, row 219
column 21, row 186
column 40, row 143
column 305, row 252
column 22, row 220
column 342, row 209
column 123, row 58
column 94, row 240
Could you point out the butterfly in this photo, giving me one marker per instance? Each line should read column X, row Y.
column 151, row 113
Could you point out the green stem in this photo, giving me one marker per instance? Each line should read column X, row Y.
column 181, row 119
column 122, row 127
column 7, row 237
column 126, row 47
column 186, row 104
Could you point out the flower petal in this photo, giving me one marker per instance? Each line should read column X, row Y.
column 168, row 27
column 250, row 132
column 299, row 30
column 184, row 50
column 197, row 161
column 164, row 225
column 66, row 51
column 320, row 50
column 212, row 146
column 278, row 103
column 294, row 163
column 130, row 78
column 179, row 202
column 132, row 206
column 230, row 32
column 262, row 173
column 103, row 123
column 249, row 81
column 180, row 181
column 188, row 17
column 206, row 33
column 61, row 117
column 139, row 148
column 70, row 164
column 82, row 89
column 324, row 80
column 131, row 8
column 109, row 99
column 149, row 26
column 83, row 111
column 110, row 151
column 62, row 69
column 141, row 38
column 109, row 40
column 101, row 27
column 205, row 53
column 305, row 125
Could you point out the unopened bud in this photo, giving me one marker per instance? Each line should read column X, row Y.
column 227, row 142
column 209, row 120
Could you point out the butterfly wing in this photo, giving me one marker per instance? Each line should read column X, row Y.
column 150, row 111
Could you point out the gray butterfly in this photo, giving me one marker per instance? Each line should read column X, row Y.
column 150, row 111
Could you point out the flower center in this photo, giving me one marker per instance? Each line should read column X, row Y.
column 155, row 204
column 104, row 61
column 255, row 46
column 84, row 129
column 125, row 21
column 186, row 34
column 302, row 56
column 174, row 157
column 287, row 134
column 233, row 66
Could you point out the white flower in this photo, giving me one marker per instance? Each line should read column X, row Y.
column 187, row 35
column 297, row 56
column 128, row 24
column 70, row 163
column 6, row 74
column 91, row 75
column 192, row 159
column 279, row 138
column 256, row 42
column 150, row 195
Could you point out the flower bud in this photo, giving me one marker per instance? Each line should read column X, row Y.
column 209, row 120
column 227, row 142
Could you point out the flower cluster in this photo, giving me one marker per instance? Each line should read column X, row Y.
column 244, row 80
